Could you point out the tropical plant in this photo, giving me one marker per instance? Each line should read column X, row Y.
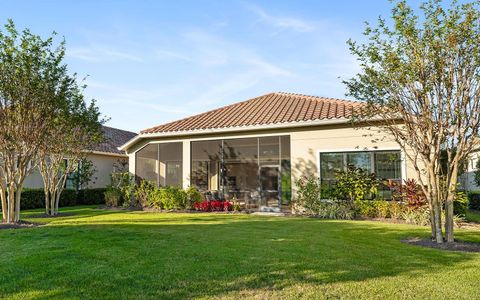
column 355, row 183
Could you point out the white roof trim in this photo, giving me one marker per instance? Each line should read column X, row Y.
column 125, row 146
column 106, row 153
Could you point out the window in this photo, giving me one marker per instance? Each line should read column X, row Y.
column 160, row 164
column 385, row 164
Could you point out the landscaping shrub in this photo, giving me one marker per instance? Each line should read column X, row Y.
column 356, row 183
column 460, row 204
column 92, row 196
column 67, row 198
column 474, row 199
column 32, row 198
column 35, row 198
column 143, row 193
column 417, row 216
column 309, row 194
column 330, row 209
column 215, row 205
column 365, row 208
column 113, row 197
column 193, row 196
column 409, row 192
column 396, row 210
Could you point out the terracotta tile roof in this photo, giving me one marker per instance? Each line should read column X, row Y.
column 114, row 138
column 273, row 108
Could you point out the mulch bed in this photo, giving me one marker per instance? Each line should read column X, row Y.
column 455, row 246
column 19, row 225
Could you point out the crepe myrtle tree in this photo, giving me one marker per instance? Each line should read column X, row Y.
column 31, row 80
column 420, row 76
column 78, row 127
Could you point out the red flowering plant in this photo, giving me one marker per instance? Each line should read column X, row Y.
column 215, row 205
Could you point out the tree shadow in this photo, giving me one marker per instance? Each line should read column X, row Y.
column 190, row 256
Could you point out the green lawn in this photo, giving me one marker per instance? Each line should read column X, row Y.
column 97, row 254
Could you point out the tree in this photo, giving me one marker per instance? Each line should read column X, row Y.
column 78, row 127
column 83, row 175
column 30, row 85
column 420, row 79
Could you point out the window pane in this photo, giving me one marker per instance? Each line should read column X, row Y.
column 388, row 165
column 171, row 155
column 240, row 168
column 361, row 160
column 206, row 157
column 330, row 163
column 173, row 173
column 269, row 150
column 146, row 166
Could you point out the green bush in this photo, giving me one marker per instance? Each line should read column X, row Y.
column 396, row 209
column 93, row 196
column 161, row 198
column 32, row 198
column 356, row 184
column 331, row 209
column 193, row 196
column 460, row 204
column 113, row 197
column 474, row 199
column 67, row 198
column 35, row 198
column 418, row 216
column 309, row 194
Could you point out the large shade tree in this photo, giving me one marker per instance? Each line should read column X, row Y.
column 420, row 75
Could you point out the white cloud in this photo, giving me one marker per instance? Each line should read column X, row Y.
column 98, row 53
column 282, row 22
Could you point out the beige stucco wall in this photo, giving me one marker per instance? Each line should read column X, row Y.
column 104, row 164
column 305, row 145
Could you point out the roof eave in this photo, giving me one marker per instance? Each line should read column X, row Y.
column 134, row 140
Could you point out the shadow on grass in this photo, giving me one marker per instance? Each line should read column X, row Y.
column 179, row 256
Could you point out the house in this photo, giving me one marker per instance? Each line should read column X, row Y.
column 254, row 151
column 106, row 157
column 467, row 179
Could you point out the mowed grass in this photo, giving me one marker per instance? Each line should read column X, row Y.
column 101, row 254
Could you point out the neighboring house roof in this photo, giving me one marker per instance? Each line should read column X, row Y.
column 273, row 108
column 114, row 138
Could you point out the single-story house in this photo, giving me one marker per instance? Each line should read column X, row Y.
column 254, row 151
column 106, row 158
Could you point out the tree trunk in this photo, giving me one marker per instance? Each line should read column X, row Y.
column 52, row 204
column 4, row 205
column 11, row 205
column 438, row 222
column 449, row 219
column 47, row 201
column 57, row 200
column 18, row 196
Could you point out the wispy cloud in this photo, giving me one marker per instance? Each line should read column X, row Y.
column 282, row 22
column 97, row 53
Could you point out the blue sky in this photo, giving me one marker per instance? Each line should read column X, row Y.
column 149, row 62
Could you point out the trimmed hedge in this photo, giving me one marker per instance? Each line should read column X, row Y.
column 35, row 198
column 474, row 199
